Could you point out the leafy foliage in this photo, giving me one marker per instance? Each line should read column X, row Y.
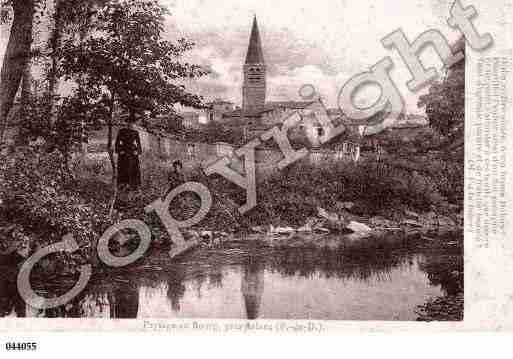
column 77, row 116
column 5, row 12
column 36, row 198
column 445, row 102
column 31, row 120
column 127, row 56
column 445, row 107
column 211, row 133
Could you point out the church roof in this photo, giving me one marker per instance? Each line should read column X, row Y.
column 271, row 106
column 234, row 113
column 295, row 105
column 219, row 101
column 255, row 53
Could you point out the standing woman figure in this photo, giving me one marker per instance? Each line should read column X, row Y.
column 128, row 148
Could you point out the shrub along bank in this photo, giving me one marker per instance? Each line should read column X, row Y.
column 41, row 201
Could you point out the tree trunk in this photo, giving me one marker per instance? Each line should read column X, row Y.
column 15, row 59
column 25, row 98
column 110, row 152
column 53, row 79
column 26, row 86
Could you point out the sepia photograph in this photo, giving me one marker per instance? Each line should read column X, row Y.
column 254, row 160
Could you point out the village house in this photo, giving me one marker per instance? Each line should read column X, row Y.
column 257, row 114
column 192, row 119
column 302, row 119
column 214, row 111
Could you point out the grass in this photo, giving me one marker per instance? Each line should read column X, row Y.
column 292, row 195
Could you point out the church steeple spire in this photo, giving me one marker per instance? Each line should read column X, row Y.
column 254, row 86
column 255, row 54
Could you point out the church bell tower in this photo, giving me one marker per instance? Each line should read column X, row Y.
column 254, row 86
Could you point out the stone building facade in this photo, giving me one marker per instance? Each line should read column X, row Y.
column 257, row 114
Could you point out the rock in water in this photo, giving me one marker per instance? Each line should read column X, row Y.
column 259, row 229
column 333, row 220
column 332, row 217
column 409, row 222
column 281, row 230
column 306, row 228
column 358, row 227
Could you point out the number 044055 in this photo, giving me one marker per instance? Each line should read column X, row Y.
column 12, row 346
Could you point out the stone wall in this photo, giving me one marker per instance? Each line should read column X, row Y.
column 162, row 151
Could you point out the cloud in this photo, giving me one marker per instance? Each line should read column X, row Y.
column 323, row 43
column 291, row 62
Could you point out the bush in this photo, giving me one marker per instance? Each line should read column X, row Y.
column 449, row 178
column 37, row 198
column 293, row 195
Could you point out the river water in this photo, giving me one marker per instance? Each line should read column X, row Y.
column 364, row 281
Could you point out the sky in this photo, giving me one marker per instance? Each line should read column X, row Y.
column 323, row 42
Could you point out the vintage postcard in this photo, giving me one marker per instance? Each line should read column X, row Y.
column 193, row 166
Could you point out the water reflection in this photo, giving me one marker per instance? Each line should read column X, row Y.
column 252, row 287
column 11, row 303
column 382, row 280
column 175, row 290
column 445, row 271
column 124, row 301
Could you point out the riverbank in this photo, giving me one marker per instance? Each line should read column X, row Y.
column 445, row 308
column 352, row 210
column 301, row 206
column 372, row 269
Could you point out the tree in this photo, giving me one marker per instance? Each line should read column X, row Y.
column 76, row 115
column 445, row 102
column 445, row 108
column 54, row 44
column 70, row 17
column 127, row 63
column 17, row 55
column 215, row 132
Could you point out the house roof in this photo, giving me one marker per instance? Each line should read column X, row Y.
column 295, row 105
column 271, row 106
column 335, row 112
column 219, row 102
column 234, row 113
